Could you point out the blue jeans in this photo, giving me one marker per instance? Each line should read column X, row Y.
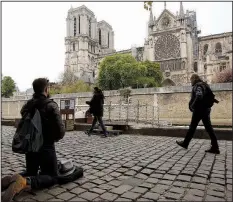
column 100, row 120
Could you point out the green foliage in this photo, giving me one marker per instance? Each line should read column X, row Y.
column 117, row 71
column 153, row 72
column 76, row 87
column 125, row 92
column 122, row 70
column 148, row 5
column 8, row 86
column 144, row 82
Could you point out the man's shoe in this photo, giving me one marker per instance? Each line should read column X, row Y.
column 18, row 184
column 5, row 182
column 104, row 135
column 88, row 133
column 181, row 143
column 213, row 151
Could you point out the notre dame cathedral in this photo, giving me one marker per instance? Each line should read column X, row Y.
column 172, row 41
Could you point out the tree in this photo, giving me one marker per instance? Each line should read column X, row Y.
column 117, row 71
column 223, row 77
column 148, row 5
column 122, row 70
column 68, row 77
column 153, row 72
column 69, row 83
column 8, row 86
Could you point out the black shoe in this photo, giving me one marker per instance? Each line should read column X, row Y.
column 181, row 143
column 104, row 135
column 88, row 133
column 213, row 151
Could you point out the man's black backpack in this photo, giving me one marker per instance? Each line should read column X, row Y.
column 28, row 136
column 209, row 97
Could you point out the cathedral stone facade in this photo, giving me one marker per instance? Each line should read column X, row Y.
column 172, row 41
column 85, row 40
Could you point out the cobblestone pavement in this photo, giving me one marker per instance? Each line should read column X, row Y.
column 133, row 168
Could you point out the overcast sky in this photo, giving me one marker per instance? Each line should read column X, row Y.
column 33, row 32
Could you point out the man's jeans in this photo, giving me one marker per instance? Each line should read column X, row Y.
column 203, row 115
column 99, row 119
column 46, row 160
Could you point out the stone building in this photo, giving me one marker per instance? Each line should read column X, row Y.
column 85, row 40
column 172, row 41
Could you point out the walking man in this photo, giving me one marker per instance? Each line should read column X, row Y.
column 202, row 99
column 53, row 130
column 97, row 109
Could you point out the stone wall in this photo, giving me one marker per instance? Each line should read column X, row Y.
column 148, row 104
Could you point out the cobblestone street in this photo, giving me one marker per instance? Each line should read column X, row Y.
column 133, row 168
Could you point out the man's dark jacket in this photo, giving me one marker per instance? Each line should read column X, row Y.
column 198, row 92
column 52, row 124
column 96, row 104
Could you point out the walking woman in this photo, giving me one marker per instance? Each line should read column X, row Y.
column 97, row 109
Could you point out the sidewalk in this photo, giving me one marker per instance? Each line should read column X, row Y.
column 127, row 167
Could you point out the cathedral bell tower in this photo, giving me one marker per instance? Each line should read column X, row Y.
column 86, row 39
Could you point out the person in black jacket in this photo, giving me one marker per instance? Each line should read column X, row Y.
column 53, row 130
column 200, row 112
column 97, row 109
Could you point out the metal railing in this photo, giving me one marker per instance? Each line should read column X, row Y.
column 124, row 113
column 132, row 114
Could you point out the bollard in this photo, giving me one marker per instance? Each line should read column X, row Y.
column 138, row 112
column 109, row 111
column 127, row 115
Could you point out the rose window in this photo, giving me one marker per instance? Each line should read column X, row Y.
column 166, row 47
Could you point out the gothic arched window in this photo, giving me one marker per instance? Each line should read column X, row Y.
column 74, row 26
column 90, row 27
column 205, row 69
column 218, row 48
column 73, row 46
column 99, row 36
column 206, row 46
column 79, row 24
column 222, row 66
column 195, row 69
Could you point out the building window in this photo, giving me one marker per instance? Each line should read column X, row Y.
column 195, row 69
column 90, row 27
column 74, row 26
column 79, row 26
column 99, row 36
column 93, row 74
column 218, row 48
column 73, row 46
column 108, row 39
column 205, row 49
column 205, row 69
column 222, row 66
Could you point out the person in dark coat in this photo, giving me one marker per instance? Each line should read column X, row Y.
column 46, row 159
column 200, row 112
column 97, row 109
